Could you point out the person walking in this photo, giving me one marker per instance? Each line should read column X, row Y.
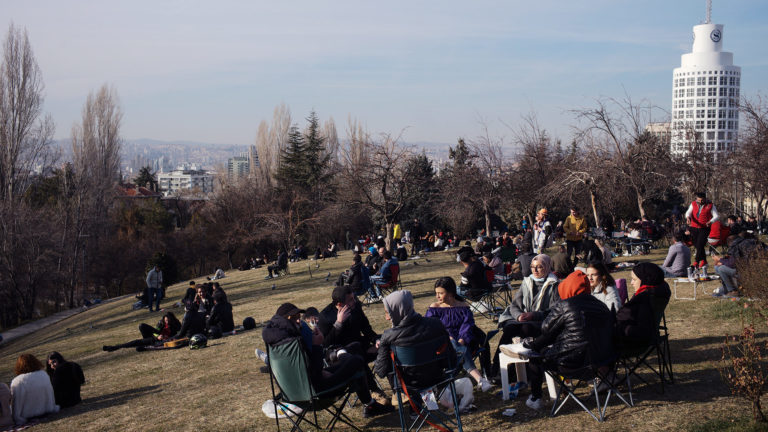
column 701, row 214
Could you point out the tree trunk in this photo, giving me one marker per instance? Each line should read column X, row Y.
column 389, row 226
column 487, row 214
column 593, row 199
column 640, row 203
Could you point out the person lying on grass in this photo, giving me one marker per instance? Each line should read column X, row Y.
column 166, row 328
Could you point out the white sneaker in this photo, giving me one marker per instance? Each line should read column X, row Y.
column 262, row 355
column 484, row 385
column 719, row 290
column 535, row 404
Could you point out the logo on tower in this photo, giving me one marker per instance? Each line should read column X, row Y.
column 715, row 35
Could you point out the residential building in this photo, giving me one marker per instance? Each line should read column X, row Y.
column 182, row 178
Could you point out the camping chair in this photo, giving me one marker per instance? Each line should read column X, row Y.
column 289, row 368
column 492, row 303
column 569, row 380
column 433, row 356
column 633, row 359
column 384, row 287
column 484, row 353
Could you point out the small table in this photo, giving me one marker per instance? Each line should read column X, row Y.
column 681, row 280
column 522, row 376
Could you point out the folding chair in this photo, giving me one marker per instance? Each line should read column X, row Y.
column 433, row 358
column 288, row 367
column 635, row 359
column 492, row 303
column 569, row 380
column 384, row 287
column 483, row 352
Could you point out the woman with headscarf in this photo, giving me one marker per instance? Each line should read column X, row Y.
column 564, row 340
column 537, row 294
column 636, row 321
column 408, row 328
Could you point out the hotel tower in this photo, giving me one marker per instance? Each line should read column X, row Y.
column 705, row 94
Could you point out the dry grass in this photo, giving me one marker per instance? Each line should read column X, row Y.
column 220, row 387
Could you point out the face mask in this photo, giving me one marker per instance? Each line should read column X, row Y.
column 538, row 279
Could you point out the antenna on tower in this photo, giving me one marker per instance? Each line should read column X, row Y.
column 709, row 12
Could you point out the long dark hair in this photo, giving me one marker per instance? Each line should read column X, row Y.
column 173, row 322
column 605, row 276
column 53, row 356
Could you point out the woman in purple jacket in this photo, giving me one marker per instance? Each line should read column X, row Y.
column 458, row 320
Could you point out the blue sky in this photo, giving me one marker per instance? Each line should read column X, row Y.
column 211, row 71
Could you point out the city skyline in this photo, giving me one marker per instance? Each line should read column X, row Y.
column 210, row 73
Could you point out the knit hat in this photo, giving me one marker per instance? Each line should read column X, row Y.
column 576, row 283
column 649, row 274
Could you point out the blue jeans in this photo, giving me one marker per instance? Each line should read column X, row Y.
column 375, row 282
column 728, row 276
column 465, row 355
column 156, row 294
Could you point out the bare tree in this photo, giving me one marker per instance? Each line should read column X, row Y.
column 641, row 160
column 270, row 142
column 492, row 181
column 24, row 137
column 374, row 172
column 751, row 159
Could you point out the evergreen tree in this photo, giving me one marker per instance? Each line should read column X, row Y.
column 292, row 171
column 146, row 178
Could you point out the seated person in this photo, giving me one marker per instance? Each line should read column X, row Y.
column 607, row 253
column 636, row 324
column 562, row 265
column 525, row 257
column 66, row 378
column 373, row 261
column 474, row 279
column 6, row 416
column 246, row 265
column 189, row 296
column 279, row 265
column 400, row 252
column 345, row 326
column 384, row 275
column 563, row 340
column 494, row 263
column 311, row 317
column 590, row 251
column 150, row 336
column 408, row 328
column 221, row 313
column 331, row 251
column 678, row 257
column 286, row 325
column 353, row 276
column 523, row 317
column 718, row 233
column 740, row 248
column 218, row 275
column 459, row 321
column 31, row 390
column 603, row 287
column 203, row 300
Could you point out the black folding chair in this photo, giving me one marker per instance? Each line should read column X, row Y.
column 289, row 368
column 435, row 369
column 599, row 333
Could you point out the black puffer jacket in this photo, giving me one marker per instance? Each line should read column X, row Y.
column 192, row 324
column 565, row 329
column 412, row 330
column 356, row 328
column 355, row 276
column 279, row 331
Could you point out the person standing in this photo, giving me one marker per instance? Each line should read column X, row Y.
column 542, row 232
column 700, row 215
column 575, row 228
column 154, row 287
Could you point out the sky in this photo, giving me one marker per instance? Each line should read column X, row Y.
column 432, row 71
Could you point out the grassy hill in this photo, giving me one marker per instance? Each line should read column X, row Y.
column 220, row 388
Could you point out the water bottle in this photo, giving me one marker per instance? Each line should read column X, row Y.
column 690, row 273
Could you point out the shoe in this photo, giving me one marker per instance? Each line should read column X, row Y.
column 268, row 277
column 604, row 386
column 261, row 354
column 534, row 403
column 484, row 385
column 374, row 409
column 381, row 398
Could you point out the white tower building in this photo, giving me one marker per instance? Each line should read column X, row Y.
column 705, row 94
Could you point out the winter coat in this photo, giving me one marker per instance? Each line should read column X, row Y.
column 565, row 330
column 221, row 315
column 636, row 322
column 280, row 330
column 192, row 323
column 526, row 300
column 356, row 328
column 66, row 380
column 412, row 330
column 575, row 228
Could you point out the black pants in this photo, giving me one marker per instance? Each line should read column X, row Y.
column 699, row 237
column 359, row 350
column 510, row 331
column 274, row 268
column 340, row 371
column 573, row 248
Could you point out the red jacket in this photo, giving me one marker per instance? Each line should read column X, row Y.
column 700, row 215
